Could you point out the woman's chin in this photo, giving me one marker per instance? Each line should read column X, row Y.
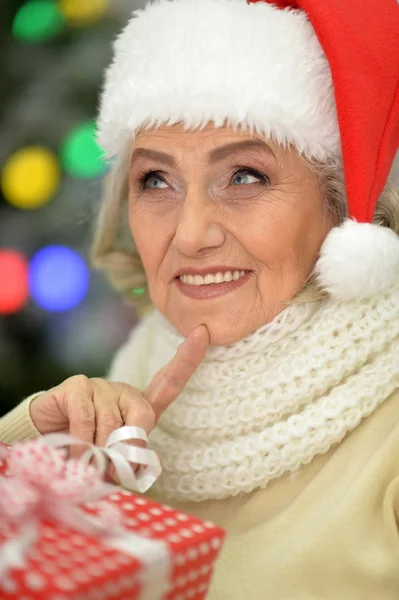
column 223, row 334
column 228, row 319
column 223, row 330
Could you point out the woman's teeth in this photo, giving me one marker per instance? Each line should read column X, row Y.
column 215, row 278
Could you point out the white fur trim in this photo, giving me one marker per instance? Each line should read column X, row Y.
column 358, row 260
column 194, row 61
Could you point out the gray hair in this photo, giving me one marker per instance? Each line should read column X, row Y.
column 114, row 251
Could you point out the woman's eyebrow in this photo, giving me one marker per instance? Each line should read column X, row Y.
column 215, row 155
column 164, row 157
column 224, row 151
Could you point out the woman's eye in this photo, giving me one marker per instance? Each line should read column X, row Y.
column 247, row 176
column 156, row 182
column 152, row 180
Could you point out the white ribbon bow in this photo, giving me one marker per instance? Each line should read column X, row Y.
column 123, row 456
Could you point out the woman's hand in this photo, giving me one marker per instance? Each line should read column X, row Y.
column 90, row 409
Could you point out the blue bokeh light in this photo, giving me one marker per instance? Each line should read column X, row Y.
column 58, row 278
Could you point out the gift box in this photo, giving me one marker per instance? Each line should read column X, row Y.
column 119, row 546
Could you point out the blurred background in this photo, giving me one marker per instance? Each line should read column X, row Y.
column 57, row 317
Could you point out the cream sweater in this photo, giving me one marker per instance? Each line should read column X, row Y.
column 324, row 526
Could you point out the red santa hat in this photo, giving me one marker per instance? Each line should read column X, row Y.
column 321, row 75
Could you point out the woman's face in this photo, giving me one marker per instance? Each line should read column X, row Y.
column 227, row 226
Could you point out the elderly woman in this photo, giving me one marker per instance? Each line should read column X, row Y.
column 267, row 371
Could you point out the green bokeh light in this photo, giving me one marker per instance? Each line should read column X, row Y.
column 138, row 291
column 37, row 21
column 80, row 154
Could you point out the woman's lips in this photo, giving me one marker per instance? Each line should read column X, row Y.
column 211, row 290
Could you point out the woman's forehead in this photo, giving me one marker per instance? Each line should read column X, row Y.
column 178, row 137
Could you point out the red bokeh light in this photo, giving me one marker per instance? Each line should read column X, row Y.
column 14, row 290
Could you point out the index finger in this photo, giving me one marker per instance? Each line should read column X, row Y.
column 170, row 381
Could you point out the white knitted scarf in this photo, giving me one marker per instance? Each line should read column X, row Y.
column 271, row 402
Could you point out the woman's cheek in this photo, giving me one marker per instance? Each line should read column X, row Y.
column 152, row 239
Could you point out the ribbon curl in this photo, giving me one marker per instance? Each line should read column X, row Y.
column 137, row 468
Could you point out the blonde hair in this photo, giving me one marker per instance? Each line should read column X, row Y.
column 113, row 248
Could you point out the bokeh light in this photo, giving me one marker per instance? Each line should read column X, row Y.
column 80, row 154
column 37, row 21
column 30, row 177
column 138, row 292
column 13, row 281
column 58, row 278
column 82, row 12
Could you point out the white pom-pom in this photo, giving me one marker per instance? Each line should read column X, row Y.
column 358, row 260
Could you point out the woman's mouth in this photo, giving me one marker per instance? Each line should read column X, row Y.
column 212, row 278
column 211, row 285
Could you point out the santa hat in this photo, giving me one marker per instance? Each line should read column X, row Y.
column 321, row 75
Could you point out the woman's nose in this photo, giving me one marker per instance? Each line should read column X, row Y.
column 198, row 228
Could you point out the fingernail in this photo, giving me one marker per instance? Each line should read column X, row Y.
column 191, row 337
column 195, row 331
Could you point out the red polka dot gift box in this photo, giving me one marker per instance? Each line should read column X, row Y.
column 65, row 534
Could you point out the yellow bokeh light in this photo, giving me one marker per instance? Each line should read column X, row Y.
column 81, row 12
column 31, row 177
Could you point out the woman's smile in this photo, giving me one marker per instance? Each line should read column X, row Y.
column 211, row 284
